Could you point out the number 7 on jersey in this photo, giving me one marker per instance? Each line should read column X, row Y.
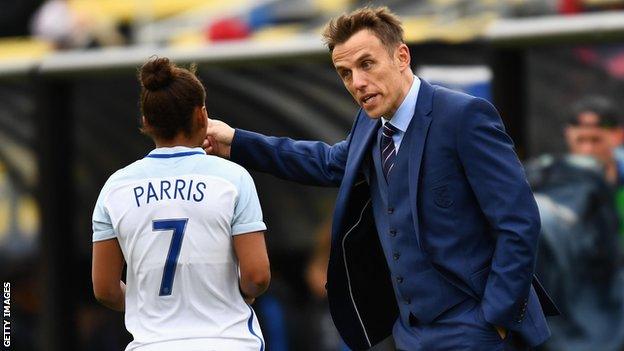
column 178, row 226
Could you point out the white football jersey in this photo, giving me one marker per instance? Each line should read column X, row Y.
column 174, row 214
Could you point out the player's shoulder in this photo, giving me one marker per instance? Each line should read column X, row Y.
column 131, row 171
column 214, row 163
column 226, row 170
column 124, row 175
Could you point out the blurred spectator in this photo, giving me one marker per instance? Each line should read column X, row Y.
column 322, row 325
column 274, row 308
column 227, row 29
column 579, row 261
column 569, row 7
column 594, row 129
column 57, row 22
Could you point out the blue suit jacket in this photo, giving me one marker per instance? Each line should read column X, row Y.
column 473, row 210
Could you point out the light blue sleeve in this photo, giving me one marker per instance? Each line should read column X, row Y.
column 102, row 224
column 247, row 212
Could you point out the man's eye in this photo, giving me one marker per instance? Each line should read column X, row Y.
column 345, row 74
column 367, row 64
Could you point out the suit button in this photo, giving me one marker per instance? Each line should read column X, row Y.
column 390, row 210
column 393, row 232
column 407, row 301
column 399, row 280
column 396, row 256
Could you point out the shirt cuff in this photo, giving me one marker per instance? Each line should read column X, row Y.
column 104, row 235
column 248, row 228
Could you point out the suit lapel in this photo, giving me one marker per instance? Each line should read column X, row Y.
column 360, row 146
column 363, row 136
column 419, row 128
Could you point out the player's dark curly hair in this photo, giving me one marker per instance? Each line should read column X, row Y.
column 169, row 95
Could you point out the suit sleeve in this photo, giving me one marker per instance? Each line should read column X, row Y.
column 504, row 195
column 307, row 162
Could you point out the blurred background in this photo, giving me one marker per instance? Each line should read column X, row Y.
column 69, row 118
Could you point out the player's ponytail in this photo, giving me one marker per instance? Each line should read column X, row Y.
column 169, row 95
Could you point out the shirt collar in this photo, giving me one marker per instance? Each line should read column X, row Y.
column 175, row 151
column 403, row 115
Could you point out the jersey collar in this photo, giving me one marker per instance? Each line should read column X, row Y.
column 175, row 151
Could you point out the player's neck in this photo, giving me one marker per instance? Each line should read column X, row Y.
column 179, row 140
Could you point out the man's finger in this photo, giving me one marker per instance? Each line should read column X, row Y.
column 212, row 141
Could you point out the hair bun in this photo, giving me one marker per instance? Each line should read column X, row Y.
column 156, row 73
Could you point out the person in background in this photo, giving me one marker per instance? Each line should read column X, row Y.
column 188, row 226
column 60, row 24
column 594, row 128
column 580, row 251
column 316, row 276
column 579, row 260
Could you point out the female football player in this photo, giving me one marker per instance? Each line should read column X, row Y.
column 189, row 227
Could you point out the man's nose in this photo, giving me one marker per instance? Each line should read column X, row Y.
column 359, row 80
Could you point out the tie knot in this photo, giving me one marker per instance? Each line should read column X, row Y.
column 389, row 130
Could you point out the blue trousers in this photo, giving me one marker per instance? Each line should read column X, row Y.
column 460, row 328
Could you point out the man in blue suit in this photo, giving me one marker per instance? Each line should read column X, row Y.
column 435, row 227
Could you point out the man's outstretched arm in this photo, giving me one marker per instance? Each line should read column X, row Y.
column 307, row 162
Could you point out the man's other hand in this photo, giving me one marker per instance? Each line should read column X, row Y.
column 219, row 137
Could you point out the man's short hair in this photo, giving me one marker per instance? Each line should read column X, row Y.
column 379, row 20
column 604, row 108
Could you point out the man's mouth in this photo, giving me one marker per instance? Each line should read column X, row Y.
column 368, row 99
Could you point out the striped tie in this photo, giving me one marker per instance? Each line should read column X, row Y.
column 388, row 152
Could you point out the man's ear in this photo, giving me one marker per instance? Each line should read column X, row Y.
column 403, row 57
